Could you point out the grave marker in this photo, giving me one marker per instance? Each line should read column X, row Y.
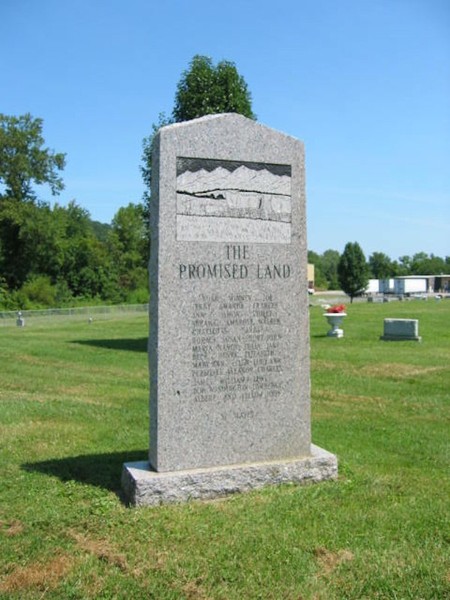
column 401, row 330
column 229, row 323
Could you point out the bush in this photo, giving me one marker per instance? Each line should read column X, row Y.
column 39, row 291
column 139, row 296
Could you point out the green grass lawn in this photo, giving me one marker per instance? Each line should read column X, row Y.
column 73, row 408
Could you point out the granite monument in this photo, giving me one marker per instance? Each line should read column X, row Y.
column 229, row 324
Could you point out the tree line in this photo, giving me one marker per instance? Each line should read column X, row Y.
column 55, row 255
column 52, row 255
column 58, row 256
column 378, row 266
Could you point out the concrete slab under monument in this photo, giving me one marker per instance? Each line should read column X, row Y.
column 145, row 487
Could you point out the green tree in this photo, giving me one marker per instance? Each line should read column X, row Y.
column 38, row 292
column 381, row 266
column 87, row 268
column 13, row 216
column 41, row 236
column 325, row 266
column 56, row 243
column 320, row 281
column 26, row 229
column 404, row 265
column 205, row 89
column 30, row 237
column 424, row 264
column 330, row 261
column 352, row 270
column 101, row 230
column 129, row 249
column 24, row 161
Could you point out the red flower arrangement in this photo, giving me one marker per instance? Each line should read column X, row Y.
column 337, row 308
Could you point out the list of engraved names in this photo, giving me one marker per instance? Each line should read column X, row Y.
column 236, row 343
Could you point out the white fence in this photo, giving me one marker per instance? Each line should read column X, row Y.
column 10, row 318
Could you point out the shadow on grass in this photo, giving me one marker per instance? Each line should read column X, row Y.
column 130, row 344
column 101, row 470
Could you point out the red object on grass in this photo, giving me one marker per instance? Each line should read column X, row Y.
column 337, row 308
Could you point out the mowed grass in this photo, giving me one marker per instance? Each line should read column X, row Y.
column 74, row 407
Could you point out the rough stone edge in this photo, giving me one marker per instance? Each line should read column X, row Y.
column 401, row 338
column 143, row 487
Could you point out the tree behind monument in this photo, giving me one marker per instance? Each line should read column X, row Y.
column 205, row 89
column 353, row 272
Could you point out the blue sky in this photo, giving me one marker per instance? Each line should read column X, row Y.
column 364, row 83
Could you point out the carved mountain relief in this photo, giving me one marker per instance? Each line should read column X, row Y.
column 233, row 201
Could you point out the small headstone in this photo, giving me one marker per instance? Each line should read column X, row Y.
column 401, row 330
column 229, row 323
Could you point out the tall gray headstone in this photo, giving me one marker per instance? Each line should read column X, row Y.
column 229, row 323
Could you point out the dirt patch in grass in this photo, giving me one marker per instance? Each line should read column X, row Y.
column 38, row 575
column 193, row 590
column 102, row 549
column 80, row 394
column 11, row 528
column 382, row 370
column 16, row 396
column 328, row 561
column 319, row 364
column 27, row 358
column 398, row 370
column 345, row 399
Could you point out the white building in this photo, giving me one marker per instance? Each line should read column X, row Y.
column 410, row 284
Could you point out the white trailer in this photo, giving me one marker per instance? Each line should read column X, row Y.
column 387, row 286
column 410, row 285
column 373, row 286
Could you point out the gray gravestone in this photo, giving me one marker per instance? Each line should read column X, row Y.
column 229, row 331
column 401, row 330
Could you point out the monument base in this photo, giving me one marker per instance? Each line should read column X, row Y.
column 144, row 487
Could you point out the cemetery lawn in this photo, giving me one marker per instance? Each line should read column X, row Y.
column 73, row 408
